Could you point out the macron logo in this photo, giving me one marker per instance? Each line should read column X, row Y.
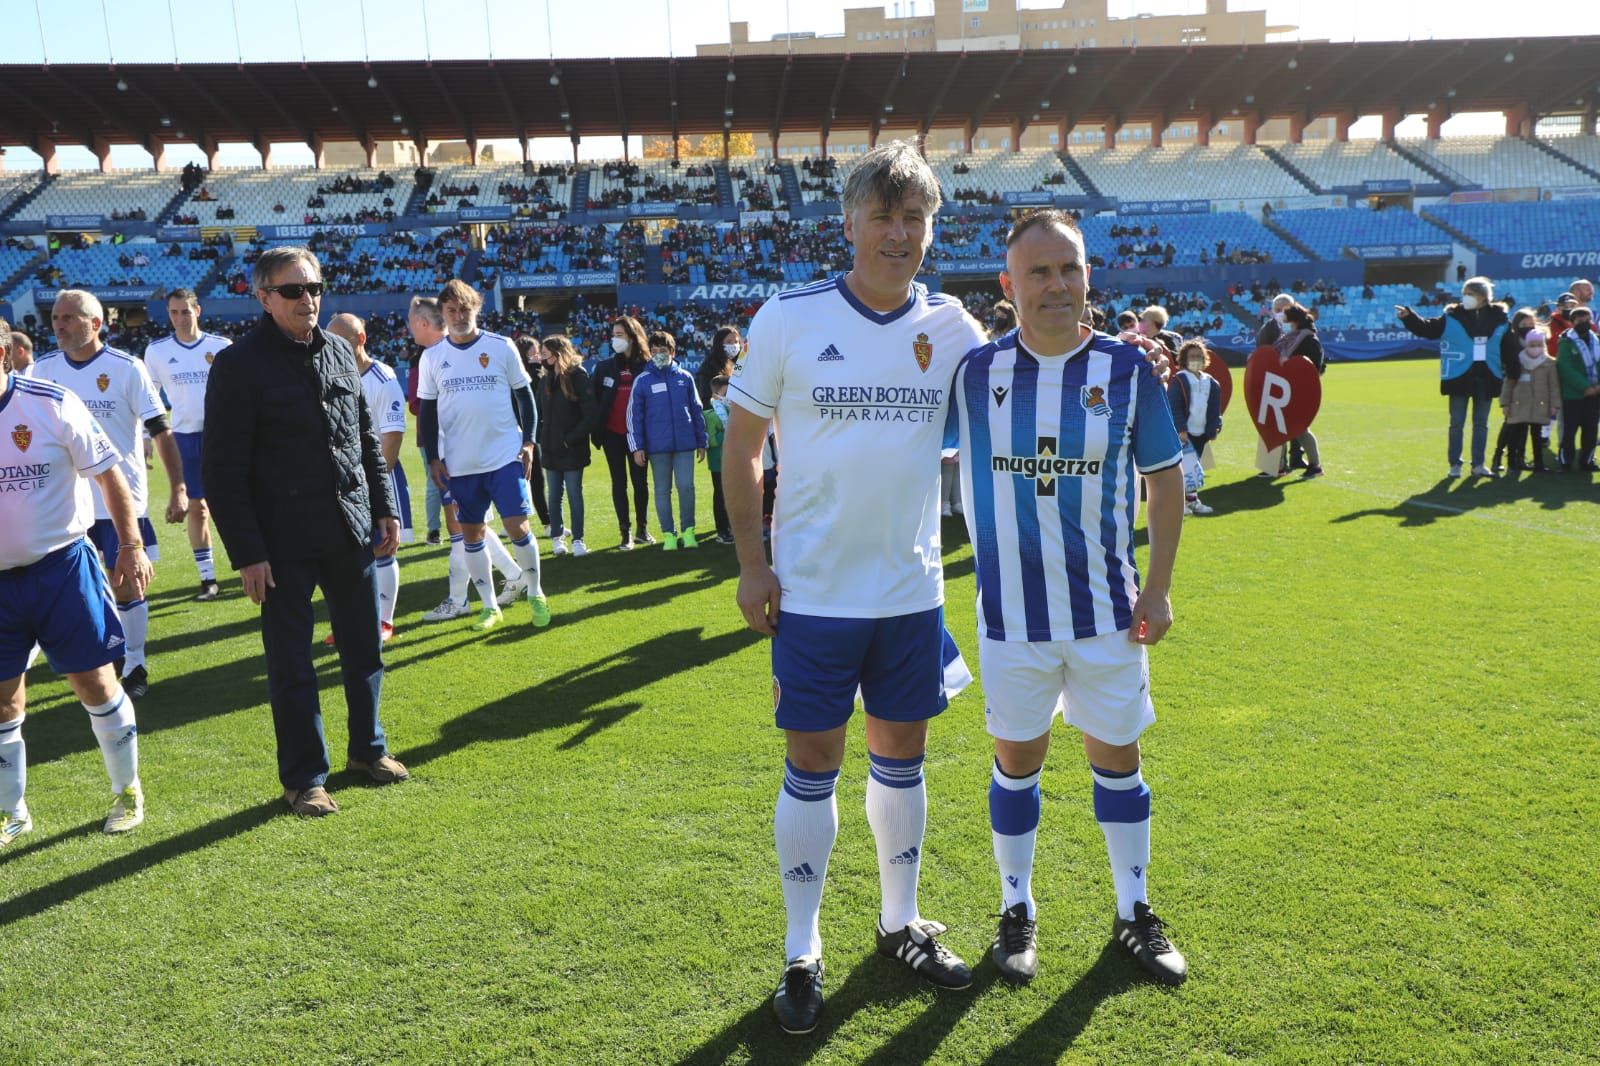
column 1138, row 871
column 1010, row 880
column 907, row 857
column 1000, row 394
column 830, row 354
column 802, row 872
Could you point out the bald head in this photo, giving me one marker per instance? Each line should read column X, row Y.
column 21, row 351
column 350, row 328
column 1583, row 289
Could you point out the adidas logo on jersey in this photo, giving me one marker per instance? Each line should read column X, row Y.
column 1045, row 467
column 114, row 642
column 907, row 857
column 803, row 872
column 831, row 354
column 172, row 360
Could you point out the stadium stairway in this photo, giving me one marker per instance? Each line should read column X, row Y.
column 791, row 184
column 1293, row 171
column 580, row 192
column 1550, row 149
column 24, row 271
column 164, row 216
column 725, row 195
column 218, row 271
column 1242, row 314
column 25, row 199
column 653, row 274
column 1452, row 178
column 1460, row 237
column 414, row 202
column 1080, row 175
column 1290, row 239
column 469, row 265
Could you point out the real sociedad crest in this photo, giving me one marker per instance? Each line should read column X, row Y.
column 103, row 382
column 1093, row 398
column 21, row 436
column 923, row 350
column 483, row 361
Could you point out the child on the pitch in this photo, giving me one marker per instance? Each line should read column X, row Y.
column 1196, row 402
column 1530, row 399
column 666, row 427
column 716, row 427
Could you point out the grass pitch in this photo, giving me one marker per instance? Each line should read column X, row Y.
column 1374, row 837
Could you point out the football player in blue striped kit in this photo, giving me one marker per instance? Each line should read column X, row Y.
column 1056, row 423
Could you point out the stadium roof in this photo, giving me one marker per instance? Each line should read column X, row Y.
column 478, row 100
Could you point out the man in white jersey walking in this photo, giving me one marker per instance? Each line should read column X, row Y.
column 52, row 589
column 119, row 393
column 21, row 354
column 477, row 410
column 180, row 365
column 386, row 402
column 855, row 372
column 1055, row 423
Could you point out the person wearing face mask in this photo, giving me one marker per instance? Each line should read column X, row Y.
column 1300, row 338
column 1578, row 363
column 719, row 361
column 1470, row 371
column 666, row 428
column 1196, row 403
column 716, row 414
column 1511, row 366
column 613, row 394
column 528, row 349
column 567, row 415
column 1530, row 399
column 1272, row 328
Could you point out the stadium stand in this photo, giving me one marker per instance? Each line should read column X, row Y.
column 1156, row 241
column 1335, row 164
column 981, row 175
column 756, row 183
column 413, row 261
column 534, row 249
column 104, row 264
column 1177, row 172
column 1525, row 227
column 13, row 186
column 1329, row 232
column 1583, row 147
column 617, row 184
column 821, row 179
column 546, row 192
column 292, row 196
column 1499, row 162
column 114, row 193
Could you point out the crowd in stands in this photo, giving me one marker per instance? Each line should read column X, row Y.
column 818, row 175
column 544, row 249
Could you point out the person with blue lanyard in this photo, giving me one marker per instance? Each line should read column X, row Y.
column 1470, row 372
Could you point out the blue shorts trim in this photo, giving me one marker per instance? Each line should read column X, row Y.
column 819, row 664
column 189, row 454
column 103, row 535
column 402, row 498
column 63, row 603
column 506, row 488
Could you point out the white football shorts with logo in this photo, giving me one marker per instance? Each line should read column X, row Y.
column 1099, row 685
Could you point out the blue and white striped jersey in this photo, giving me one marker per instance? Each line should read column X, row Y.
column 1049, row 448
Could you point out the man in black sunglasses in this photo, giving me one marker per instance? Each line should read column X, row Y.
column 296, row 481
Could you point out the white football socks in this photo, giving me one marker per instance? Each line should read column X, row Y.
column 806, row 824
column 1122, row 807
column 478, row 573
column 118, row 735
column 388, row 575
column 458, row 569
column 897, row 811
column 1014, row 820
column 13, row 764
column 135, row 627
column 527, row 550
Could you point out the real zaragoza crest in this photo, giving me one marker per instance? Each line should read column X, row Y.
column 103, row 382
column 922, row 348
column 483, row 361
column 210, row 356
column 21, row 436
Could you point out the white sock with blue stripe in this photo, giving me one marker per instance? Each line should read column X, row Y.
column 528, row 556
column 478, row 573
column 135, row 628
column 118, row 735
column 1122, row 807
column 805, row 824
column 13, row 764
column 1014, row 820
column 203, row 563
column 458, row 569
column 897, row 810
column 499, row 557
column 388, row 573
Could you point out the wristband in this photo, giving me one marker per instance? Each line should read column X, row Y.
column 131, row 544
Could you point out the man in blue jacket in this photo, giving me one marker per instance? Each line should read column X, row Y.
column 667, row 427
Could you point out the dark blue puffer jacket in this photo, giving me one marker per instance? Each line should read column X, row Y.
column 664, row 413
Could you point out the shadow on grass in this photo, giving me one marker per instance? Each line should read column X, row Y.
column 1052, row 1034
column 1452, row 497
column 873, row 981
column 43, row 898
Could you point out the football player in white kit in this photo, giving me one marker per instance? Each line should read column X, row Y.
column 478, row 412
column 179, row 365
column 52, row 589
column 386, row 403
column 117, row 390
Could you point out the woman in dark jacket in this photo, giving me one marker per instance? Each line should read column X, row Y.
column 1299, row 337
column 613, row 393
column 529, row 347
column 1469, row 363
column 1511, row 369
column 719, row 361
column 567, row 416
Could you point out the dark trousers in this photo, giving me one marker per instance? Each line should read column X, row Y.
column 1517, row 437
column 346, row 579
column 1579, row 421
column 719, row 505
column 536, row 488
column 622, row 466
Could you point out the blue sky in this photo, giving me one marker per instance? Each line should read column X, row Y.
column 139, row 31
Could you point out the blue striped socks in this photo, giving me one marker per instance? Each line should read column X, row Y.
column 1014, row 820
column 527, row 556
column 897, row 811
column 135, row 618
column 805, row 825
column 118, row 736
column 478, row 574
column 1122, row 807
column 203, row 563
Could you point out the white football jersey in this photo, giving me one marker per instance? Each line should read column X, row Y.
column 181, row 371
column 386, row 400
column 478, row 429
column 49, row 448
column 859, row 401
column 118, row 392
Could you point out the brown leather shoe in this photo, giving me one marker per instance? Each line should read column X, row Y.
column 385, row 771
column 310, row 802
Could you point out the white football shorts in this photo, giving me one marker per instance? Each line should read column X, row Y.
column 1100, row 685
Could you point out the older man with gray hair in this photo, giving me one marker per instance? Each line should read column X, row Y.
column 299, row 489
column 20, row 352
